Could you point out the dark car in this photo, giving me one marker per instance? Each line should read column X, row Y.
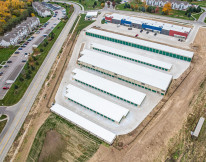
column 20, row 49
column 147, row 32
column 17, row 52
column 25, row 53
column 6, row 66
column 9, row 61
column 1, row 73
column 23, row 61
column 141, row 31
column 155, row 34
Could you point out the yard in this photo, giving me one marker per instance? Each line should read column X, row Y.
column 58, row 139
column 23, row 81
column 5, row 53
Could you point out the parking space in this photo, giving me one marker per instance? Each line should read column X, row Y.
column 14, row 68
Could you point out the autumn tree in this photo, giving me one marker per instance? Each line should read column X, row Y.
column 136, row 7
column 113, row 4
column 132, row 6
column 167, row 8
column 102, row 5
column 157, row 9
column 108, row 4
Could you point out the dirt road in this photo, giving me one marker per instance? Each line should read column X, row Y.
column 152, row 142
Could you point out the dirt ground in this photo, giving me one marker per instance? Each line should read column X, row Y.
column 152, row 142
column 53, row 144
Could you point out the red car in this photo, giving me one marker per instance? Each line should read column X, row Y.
column 5, row 87
column 41, row 28
column 136, row 35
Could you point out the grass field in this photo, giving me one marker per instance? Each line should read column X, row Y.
column 77, row 145
column 2, row 125
column 43, row 19
column 5, row 53
column 82, row 23
column 200, row 3
column 183, row 147
column 20, row 86
column 3, row 117
column 174, row 13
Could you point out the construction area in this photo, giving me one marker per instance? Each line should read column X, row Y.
column 115, row 79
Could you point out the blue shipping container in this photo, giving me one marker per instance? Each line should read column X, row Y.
column 124, row 21
column 145, row 26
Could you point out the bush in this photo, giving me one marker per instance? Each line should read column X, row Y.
column 28, row 76
column 16, row 86
column 41, row 50
column 21, row 79
column 37, row 63
column 32, row 68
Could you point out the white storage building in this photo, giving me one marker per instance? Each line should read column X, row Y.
column 132, row 56
column 83, row 123
column 96, row 104
column 111, row 88
column 135, row 74
column 142, row 44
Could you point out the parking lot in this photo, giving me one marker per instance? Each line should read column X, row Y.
column 136, row 114
column 10, row 71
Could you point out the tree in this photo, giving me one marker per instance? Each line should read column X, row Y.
column 95, row 3
column 167, row 8
column 16, row 86
column 157, row 9
column 108, row 4
column 113, row 4
column 189, row 14
column 136, row 7
column 28, row 76
column 21, row 79
column 32, row 15
column 143, row 9
column 102, row 5
column 198, row 9
column 132, row 7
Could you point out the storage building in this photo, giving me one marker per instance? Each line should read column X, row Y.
column 142, row 44
column 96, row 104
column 147, row 78
column 108, row 87
column 132, row 56
column 91, row 15
column 141, row 23
column 84, row 123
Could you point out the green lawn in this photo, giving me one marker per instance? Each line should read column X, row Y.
column 83, row 23
column 43, row 19
column 200, row 3
column 2, row 125
column 5, row 53
column 3, row 117
column 174, row 13
column 23, row 81
column 88, row 4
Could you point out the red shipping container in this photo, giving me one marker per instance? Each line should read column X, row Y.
column 108, row 18
column 172, row 33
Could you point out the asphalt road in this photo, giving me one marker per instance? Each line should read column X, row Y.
column 18, row 112
column 12, row 72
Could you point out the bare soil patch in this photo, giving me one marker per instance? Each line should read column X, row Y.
column 53, row 147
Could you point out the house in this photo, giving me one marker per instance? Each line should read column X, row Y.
column 176, row 5
column 41, row 9
column 20, row 32
column 91, row 15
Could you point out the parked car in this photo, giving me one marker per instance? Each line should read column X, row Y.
column 32, row 37
column 6, row 66
column 129, row 28
column 23, row 46
column 118, row 25
column 17, row 52
column 37, row 32
column 9, row 61
column 23, row 61
column 41, row 28
column 155, row 34
column 1, row 73
column 5, row 87
column 141, row 30
column 147, row 32
column 20, row 49
column 136, row 35
column 29, row 39
column 25, row 53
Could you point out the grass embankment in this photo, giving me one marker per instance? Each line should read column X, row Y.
column 182, row 146
column 78, row 144
column 2, row 125
column 200, row 3
column 174, row 13
column 23, row 81
column 82, row 23
column 5, row 53
column 43, row 19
